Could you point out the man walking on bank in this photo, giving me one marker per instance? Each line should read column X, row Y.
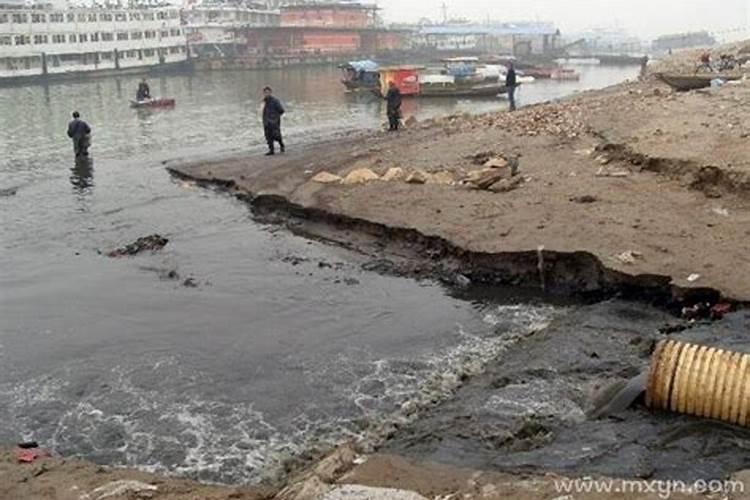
column 80, row 132
column 272, row 111
column 511, row 84
column 393, row 108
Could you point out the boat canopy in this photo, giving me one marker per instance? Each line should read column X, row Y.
column 364, row 65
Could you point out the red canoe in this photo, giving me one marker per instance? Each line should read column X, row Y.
column 153, row 103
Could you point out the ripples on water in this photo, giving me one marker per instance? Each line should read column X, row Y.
column 110, row 360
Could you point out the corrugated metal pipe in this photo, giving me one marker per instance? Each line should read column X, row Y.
column 700, row 380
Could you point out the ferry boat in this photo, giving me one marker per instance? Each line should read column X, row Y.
column 40, row 41
column 213, row 27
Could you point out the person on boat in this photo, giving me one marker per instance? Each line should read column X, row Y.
column 393, row 107
column 80, row 132
column 272, row 111
column 143, row 92
column 511, row 82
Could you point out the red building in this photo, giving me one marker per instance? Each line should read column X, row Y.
column 330, row 15
column 324, row 29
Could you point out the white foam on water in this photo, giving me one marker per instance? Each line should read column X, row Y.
column 136, row 416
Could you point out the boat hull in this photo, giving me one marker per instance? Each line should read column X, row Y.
column 686, row 83
column 153, row 103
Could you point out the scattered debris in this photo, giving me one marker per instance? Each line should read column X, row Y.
column 587, row 198
column 411, row 121
column 693, row 278
column 151, row 243
column 394, row 174
column 483, row 179
column 506, row 185
column 443, row 177
column 29, row 455
column 721, row 211
column 28, row 445
column 8, row 191
column 602, row 172
column 327, row 178
column 497, row 162
column 121, row 488
column 360, row 176
column 718, row 311
column 629, row 257
column 417, row 177
column 190, row 283
column 355, row 491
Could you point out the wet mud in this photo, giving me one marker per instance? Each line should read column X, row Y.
column 560, row 402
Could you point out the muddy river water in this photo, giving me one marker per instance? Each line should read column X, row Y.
column 278, row 345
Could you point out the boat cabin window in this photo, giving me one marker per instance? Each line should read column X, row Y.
column 58, row 38
column 122, row 36
column 3, row 18
column 107, row 37
column 83, row 37
column 6, row 40
column 105, row 56
column 173, row 14
column 20, row 18
column 72, row 38
column 174, row 32
column 57, row 17
column 148, row 16
column 105, row 17
column 120, row 16
column 135, row 16
column 131, row 53
column 71, row 18
column 150, row 34
column 161, row 15
column 164, row 34
column 148, row 53
column 81, row 18
column 94, row 37
column 22, row 40
column 136, row 35
column 40, row 39
column 92, row 18
column 38, row 18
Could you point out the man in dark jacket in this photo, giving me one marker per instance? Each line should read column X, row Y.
column 143, row 92
column 393, row 108
column 79, row 131
column 511, row 83
column 272, row 111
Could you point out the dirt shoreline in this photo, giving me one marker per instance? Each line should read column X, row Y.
column 630, row 189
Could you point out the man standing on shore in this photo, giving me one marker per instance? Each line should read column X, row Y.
column 80, row 132
column 393, row 98
column 510, row 84
column 272, row 111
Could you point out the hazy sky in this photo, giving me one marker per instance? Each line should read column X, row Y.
column 642, row 17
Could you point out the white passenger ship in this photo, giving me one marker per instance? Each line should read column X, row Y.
column 214, row 26
column 42, row 41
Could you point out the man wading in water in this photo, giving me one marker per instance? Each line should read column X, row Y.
column 79, row 131
column 272, row 111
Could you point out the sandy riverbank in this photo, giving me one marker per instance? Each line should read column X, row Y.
column 635, row 186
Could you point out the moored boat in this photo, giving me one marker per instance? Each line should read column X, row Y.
column 684, row 83
column 153, row 103
column 360, row 75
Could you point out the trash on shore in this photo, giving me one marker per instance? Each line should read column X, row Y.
column 121, row 488
column 699, row 380
column 360, row 176
column 8, row 191
column 629, row 257
column 587, row 198
column 27, row 453
column 721, row 211
column 327, row 178
column 393, row 174
column 694, row 277
column 151, row 243
column 602, row 172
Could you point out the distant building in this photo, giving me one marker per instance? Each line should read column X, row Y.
column 519, row 39
column 345, row 28
column 212, row 26
column 683, row 41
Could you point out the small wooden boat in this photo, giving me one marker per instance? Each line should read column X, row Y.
column 360, row 76
column 684, row 83
column 153, row 103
